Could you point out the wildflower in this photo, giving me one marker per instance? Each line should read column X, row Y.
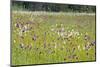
column 29, row 46
column 87, row 46
column 21, row 45
column 14, row 41
column 61, row 34
column 93, row 43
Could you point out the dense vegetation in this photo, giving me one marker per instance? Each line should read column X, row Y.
column 39, row 38
column 52, row 33
column 39, row 6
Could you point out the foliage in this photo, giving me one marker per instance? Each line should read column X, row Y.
column 51, row 7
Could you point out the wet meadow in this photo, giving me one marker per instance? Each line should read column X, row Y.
column 52, row 37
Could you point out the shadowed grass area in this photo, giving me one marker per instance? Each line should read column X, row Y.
column 39, row 38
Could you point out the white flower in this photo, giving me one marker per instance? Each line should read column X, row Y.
column 62, row 34
column 14, row 41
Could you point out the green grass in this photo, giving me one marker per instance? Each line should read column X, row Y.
column 44, row 22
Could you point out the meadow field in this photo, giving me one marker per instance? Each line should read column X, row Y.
column 52, row 37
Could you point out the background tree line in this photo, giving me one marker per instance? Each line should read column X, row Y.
column 51, row 7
